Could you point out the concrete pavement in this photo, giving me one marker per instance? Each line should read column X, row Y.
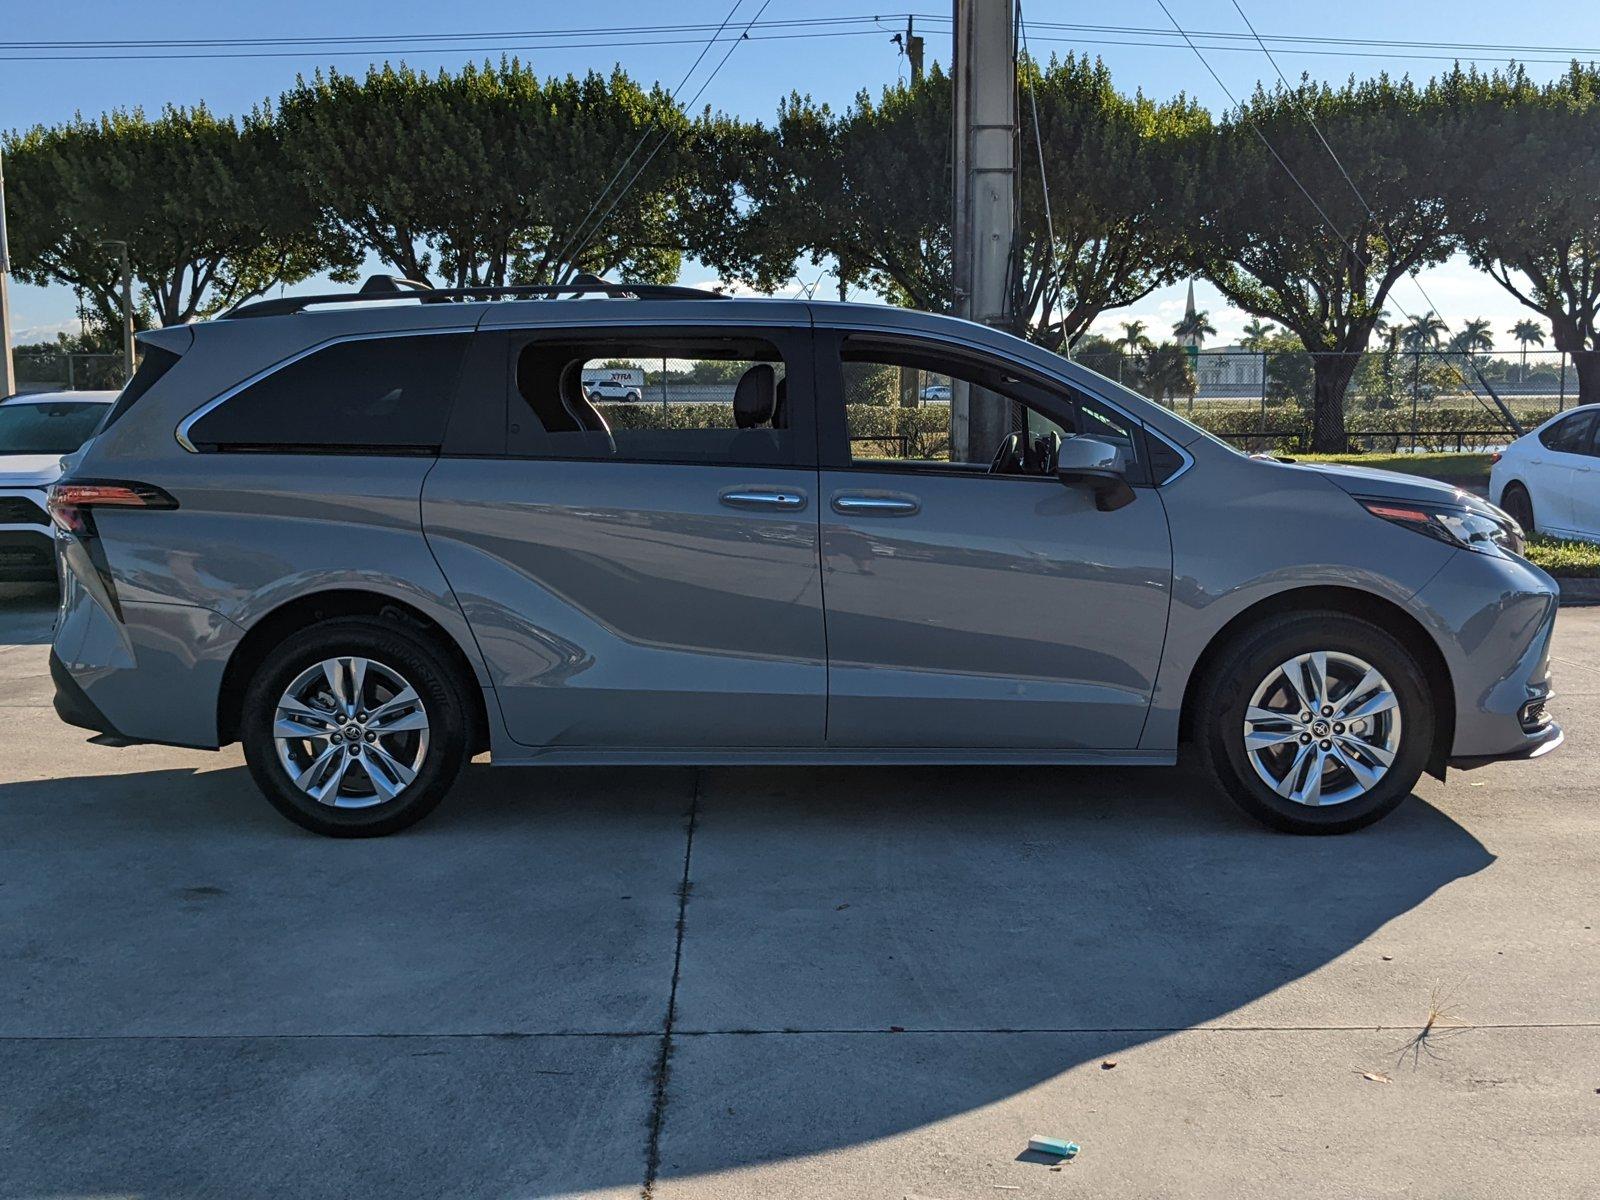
column 880, row 982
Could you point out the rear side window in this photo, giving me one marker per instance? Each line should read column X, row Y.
column 388, row 395
column 717, row 398
column 153, row 364
column 1570, row 436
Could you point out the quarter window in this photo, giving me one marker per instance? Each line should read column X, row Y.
column 1570, row 436
column 374, row 395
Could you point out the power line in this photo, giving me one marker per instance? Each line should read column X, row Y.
column 430, row 37
column 166, row 49
column 717, row 70
column 1372, row 216
column 381, row 51
column 672, row 97
column 1044, row 178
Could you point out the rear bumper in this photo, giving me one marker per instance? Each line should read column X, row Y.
column 140, row 672
column 72, row 703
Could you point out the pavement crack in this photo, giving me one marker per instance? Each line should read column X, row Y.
column 663, row 1067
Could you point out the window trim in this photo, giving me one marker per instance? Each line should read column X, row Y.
column 795, row 344
column 833, row 445
column 216, row 402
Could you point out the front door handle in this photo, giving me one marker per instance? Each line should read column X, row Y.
column 762, row 498
column 876, row 506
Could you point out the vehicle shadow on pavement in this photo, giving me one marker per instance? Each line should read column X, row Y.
column 864, row 952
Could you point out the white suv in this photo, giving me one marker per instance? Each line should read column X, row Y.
column 36, row 429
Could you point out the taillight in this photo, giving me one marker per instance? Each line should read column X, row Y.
column 71, row 502
column 1494, row 458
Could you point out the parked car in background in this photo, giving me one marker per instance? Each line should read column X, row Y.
column 369, row 541
column 36, row 430
column 613, row 391
column 936, row 393
column 1549, row 479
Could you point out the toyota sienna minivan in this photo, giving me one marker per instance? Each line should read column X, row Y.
column 371, row 535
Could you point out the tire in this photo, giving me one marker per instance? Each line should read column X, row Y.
column 1518, row 506
column 1355, row 787
column 362, row 801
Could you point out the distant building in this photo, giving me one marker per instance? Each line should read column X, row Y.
column 1229, row 371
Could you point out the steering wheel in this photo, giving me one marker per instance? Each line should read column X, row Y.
column 1006, row 455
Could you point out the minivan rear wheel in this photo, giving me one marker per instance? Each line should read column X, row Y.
column 355, row 727
column 1316, row 722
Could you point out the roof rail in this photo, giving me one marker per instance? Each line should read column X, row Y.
column 393, row 287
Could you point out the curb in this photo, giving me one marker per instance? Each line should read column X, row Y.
column 1578, row 593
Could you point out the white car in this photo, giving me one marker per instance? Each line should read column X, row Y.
column 36, row 430
column 1549, row 479
column 936, row 393
column 612, row 391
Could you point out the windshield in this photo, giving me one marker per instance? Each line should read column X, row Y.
column 47, row 428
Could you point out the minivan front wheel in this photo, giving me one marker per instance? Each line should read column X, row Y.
column 1316, row 722
column 356, row 727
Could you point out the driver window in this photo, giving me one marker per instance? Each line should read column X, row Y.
column 898, row 403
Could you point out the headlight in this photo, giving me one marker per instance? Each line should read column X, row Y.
column 1487, row 532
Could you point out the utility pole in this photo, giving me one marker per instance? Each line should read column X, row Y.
column 127, row 309
column 985, row 228
column 8, row 373
column 913, row 50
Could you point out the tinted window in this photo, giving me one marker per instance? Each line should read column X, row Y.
column 383, row 395
column 651, row 397
column 47, row 428
column 1572, row 435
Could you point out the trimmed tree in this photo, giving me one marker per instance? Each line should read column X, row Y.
column 1523, row 197
column 1270, row 252
column 209, row 214
column 491, row 176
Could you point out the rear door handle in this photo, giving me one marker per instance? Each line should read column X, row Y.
column 762, row 498
column 876, row 506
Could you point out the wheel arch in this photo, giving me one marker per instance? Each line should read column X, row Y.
column 1385, row 614
column 304, row 611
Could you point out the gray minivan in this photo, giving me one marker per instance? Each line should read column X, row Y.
column 371, row 535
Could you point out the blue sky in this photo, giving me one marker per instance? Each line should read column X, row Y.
column 759, row 73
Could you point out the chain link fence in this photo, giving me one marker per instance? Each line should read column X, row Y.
column 54, row 371
column 1396, row 400
column 1260, row 400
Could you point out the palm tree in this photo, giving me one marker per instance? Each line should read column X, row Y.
column 1168, row 373
column 1527, row 332
column 1386, row 329
column 1195, row 327
column 1256, row 333
column 1134, row 339
column 1474, row 336
column 1424, row 332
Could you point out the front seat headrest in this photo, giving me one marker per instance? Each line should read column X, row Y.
column 755, row 396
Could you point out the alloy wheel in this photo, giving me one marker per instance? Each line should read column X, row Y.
column 1322, row 728
column 351, row 732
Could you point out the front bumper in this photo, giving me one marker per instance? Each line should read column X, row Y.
column 1539, row 744
column 27, row 549
column 1493, row 619
column 27, row 556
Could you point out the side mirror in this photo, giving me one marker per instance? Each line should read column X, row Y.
column 1099, row 467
